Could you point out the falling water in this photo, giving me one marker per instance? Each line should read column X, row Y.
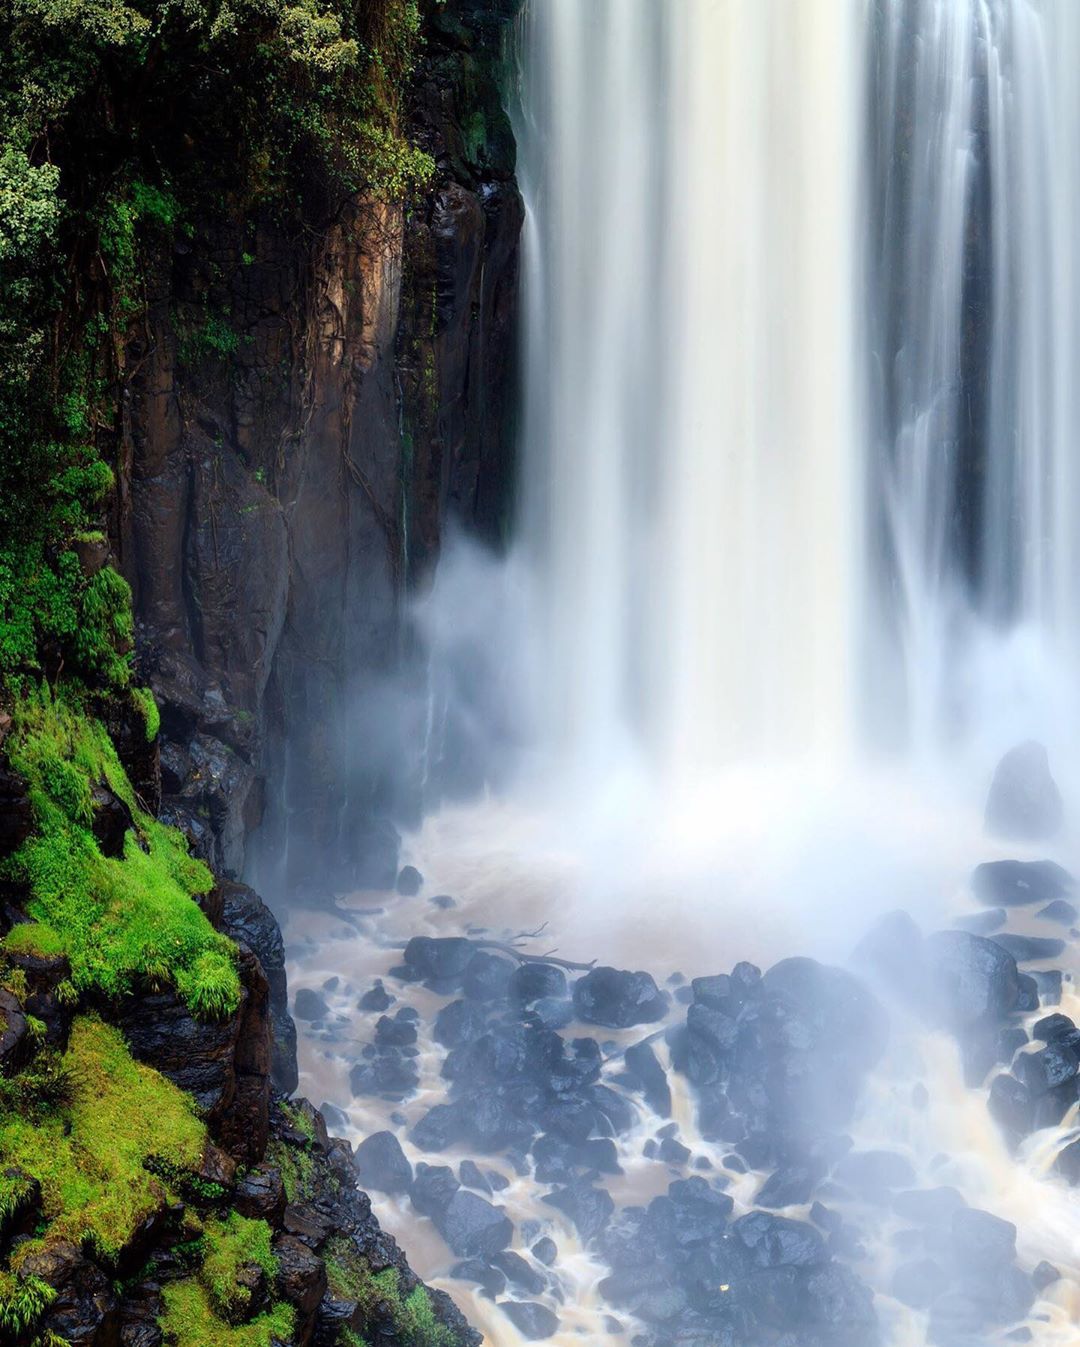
column 691, row 391
column 801, row 339
column 972, row 194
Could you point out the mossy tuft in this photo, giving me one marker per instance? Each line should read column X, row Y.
column 189, row 1320
column 231, row 1245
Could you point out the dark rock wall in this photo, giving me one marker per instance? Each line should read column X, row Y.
column 307, row 413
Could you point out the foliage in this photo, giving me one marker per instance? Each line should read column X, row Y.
column 351, row 1278
column 32, row 937
column 232, row 1244
column 189, row 1320
column 88, row 1148
column 127, row 921
column 22, row 1303
column 16, row 1190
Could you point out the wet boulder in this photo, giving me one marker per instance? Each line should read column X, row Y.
column 981, row 1241
column 519, row 1273
column 381, row 1164
column 432, row 1188
column 533, row 981
column 1030, row 948
column 409, row 881
column 376, row 998
column 534, row 1322
column 442, row 1126
column 488, row 1278
column 649, row 1077
column 1024, row 800
column 589, row 1208
column 1018, row 883
column 775, row 1241
column 85, row 1309
column 458, row 1023
column 487, row 977
column 301, row 1275
column 971, row 980
column 260, row 1194
column 399, row 1032
column 472, row 1226
column 309, row 1004
column 711, row 1037
column 441, row 961
column 16, row 815
column 618, row 999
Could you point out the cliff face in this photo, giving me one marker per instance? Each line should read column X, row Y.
column 306, row 415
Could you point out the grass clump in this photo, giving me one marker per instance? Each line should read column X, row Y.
column 16, row 1191
column 350, row 1278
column 87, row 1136
column 231, row 1245
column 22, row 1303
column 126, row 921
column 297, row 1168
column 33, row 937
column 189, row 1320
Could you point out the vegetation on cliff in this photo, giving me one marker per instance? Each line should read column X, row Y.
column 126, row 128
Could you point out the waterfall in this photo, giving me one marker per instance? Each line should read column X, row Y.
column 972, row 195
column 800, row 352
column 691, row 438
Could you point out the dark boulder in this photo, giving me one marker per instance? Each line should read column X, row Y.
column 399, row 1032
column 519, row 1273
column 649, row 1076
column 790, row 1185
column 981, row 1241
column 1012, row 1107
column 972, row 980
column 774, row 1241
column 1030, row 948
column 432, row 1188
column 534, row 1322
column 301, row 1275
column 1060, row 911
column 618, row 999
column 309, row 1004
column 246, row 919
column 489, row 1278
column 260, row 1194
column 1067, row 1163
column 1017, row 883
column 545, row 1251
column 443, row 1125
column 43, row 975
column 439, row 960
column 85, row 1310
column 381, row 1164
column 16, row 815
column 458, row 1023
column 409, row 881
column 589, row 1208
column 1024, row 801
column 376, row 998
column 553, row 1012
column 532, row 981
column 472, row 1227
column 487, row 977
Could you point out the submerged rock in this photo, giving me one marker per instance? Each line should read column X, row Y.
column 309, row 1004
column 1024, row 800
column 1017, row 883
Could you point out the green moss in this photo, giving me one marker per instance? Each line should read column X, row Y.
column 144, row 700
column 16, row 1190
column 189, row 1320
column 232, row 1244
column 347, row 1338
column 33, row 937
column 89, row 1149
column 127, row 921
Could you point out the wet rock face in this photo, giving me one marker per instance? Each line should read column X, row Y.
column 367, row 405
column 973, row 980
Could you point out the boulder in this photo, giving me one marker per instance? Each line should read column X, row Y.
column 644, row 1066
column 409, row 881
column 439, row 960
column 459, row 1022
column 1059, row 911
column 381, row 1164
column 1024, row 801
column 399, row 1032
column 489, row 1278
column 260, row 1194
column 534, row 1322
column 16, row 815
column 519, row 1273
column 972, row 980
column 981, row 1241
column 376, row 998
column 432, row 1188
column 246, row 919
column 487, row 977
column 472, row 1226
column 775, row 1241
column 545, row 1251
column 532, row 981
column 589, row 1208
column 618, row 999
column 301, row 1275
column 1030, row 948
column 85, row 1310
column 1018, row 883
column 309, row 1004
